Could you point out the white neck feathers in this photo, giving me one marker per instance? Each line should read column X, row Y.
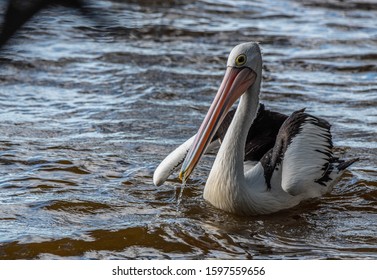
column 226, row 181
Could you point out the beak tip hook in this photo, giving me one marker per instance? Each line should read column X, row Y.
column 182, row 176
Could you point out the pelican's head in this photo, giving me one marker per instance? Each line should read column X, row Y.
column 244, row 67
column 246, row 55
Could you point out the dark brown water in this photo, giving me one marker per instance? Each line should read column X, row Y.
column 88, row 111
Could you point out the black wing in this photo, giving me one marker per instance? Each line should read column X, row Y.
column 262, row 134
column 303, row 153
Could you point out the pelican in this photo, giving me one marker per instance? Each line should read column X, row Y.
column 298, row 166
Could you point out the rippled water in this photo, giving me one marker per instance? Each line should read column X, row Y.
column 89, row 110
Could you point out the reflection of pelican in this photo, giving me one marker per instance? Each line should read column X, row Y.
column 299, row 166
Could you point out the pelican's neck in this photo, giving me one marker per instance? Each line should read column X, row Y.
column 233, row 146
column 227, row 176
column 235, row 140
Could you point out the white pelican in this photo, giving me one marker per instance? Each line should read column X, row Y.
column 299, row 166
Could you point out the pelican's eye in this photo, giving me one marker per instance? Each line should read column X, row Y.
column 241, row 60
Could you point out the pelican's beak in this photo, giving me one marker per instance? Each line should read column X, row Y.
column 235, row 82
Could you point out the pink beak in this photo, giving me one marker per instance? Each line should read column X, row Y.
column 235, row 82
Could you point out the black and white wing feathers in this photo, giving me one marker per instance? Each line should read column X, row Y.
column 303, row 155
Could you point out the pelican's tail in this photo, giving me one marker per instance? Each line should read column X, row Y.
column 343, row 164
